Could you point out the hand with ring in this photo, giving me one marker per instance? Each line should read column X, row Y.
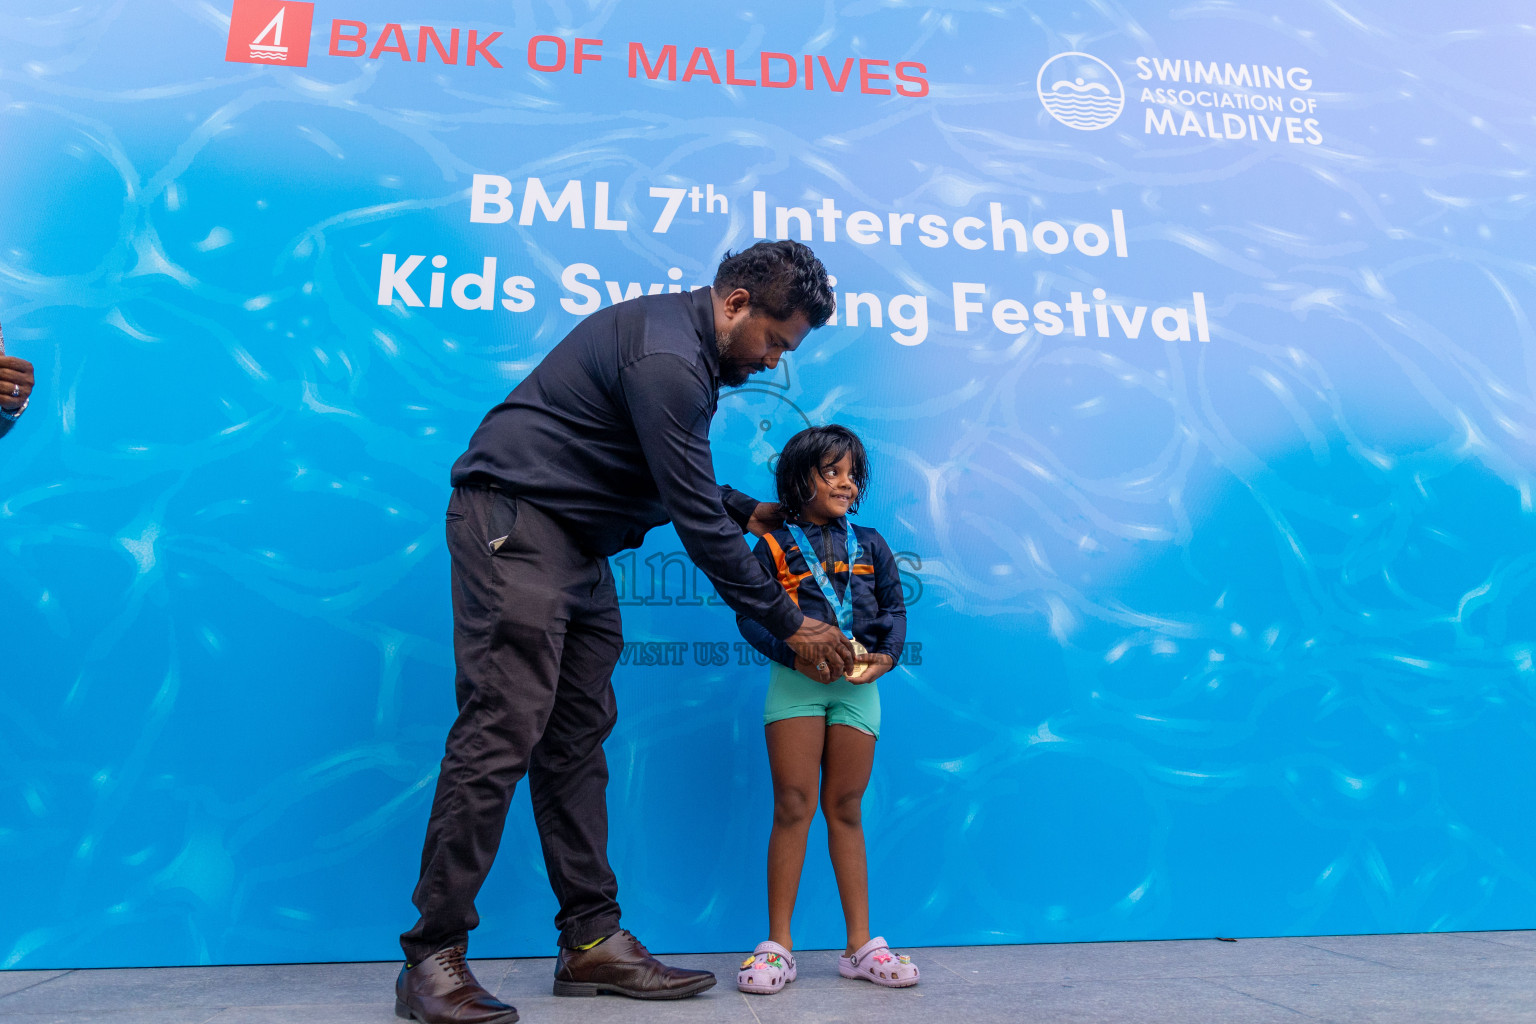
column 15, row 383
column 821, row 651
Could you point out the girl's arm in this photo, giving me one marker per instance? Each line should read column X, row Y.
column 888, row 593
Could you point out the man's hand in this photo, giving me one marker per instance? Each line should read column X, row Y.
column 16, row 383
column 821, row 651
column 767, row 517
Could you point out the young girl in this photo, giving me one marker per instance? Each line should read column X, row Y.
column 821, row 736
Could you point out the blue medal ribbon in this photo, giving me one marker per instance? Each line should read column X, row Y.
column 843, row 608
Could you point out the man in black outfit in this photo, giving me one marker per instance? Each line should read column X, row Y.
column 606, row 438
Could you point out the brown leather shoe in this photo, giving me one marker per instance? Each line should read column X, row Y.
column 621, row 966
column 440, row 990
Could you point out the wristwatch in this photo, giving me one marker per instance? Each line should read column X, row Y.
column 14, row 416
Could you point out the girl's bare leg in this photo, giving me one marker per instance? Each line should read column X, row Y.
column 846, row 762
column 794, row 757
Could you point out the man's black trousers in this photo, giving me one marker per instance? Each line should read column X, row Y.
column 535, row 638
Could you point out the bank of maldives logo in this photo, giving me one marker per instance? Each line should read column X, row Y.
column 270, row 32
column 1080, row 91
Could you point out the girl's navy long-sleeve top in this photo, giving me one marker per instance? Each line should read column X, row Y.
column 879, row 611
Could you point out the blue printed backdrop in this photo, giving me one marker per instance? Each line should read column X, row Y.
column 1216, row 637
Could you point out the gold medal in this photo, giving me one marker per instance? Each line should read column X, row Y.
column 857, row 671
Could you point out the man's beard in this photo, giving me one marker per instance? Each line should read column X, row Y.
column 733, row 372
column 734, row 375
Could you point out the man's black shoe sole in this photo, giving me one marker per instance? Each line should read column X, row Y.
column 404, row 1013
column 594, row 988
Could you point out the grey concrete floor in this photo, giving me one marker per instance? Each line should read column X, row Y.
column 1403, row 979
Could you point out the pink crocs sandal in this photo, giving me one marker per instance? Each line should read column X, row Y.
column 768, row 969
column 875, row 962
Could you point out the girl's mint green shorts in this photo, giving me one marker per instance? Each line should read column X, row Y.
column 792, row 695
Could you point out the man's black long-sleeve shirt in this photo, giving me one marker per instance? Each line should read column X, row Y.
column 610, row 436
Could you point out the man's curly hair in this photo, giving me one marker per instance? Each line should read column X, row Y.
column 783, row 278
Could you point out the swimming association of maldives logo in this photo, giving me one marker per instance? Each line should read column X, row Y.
column 270, row 32
column 1080, row 91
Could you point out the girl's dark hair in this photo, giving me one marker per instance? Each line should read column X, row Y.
column 807, row 453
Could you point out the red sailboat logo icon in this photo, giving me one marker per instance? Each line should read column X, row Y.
column 268, row 44
column 271, row 32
